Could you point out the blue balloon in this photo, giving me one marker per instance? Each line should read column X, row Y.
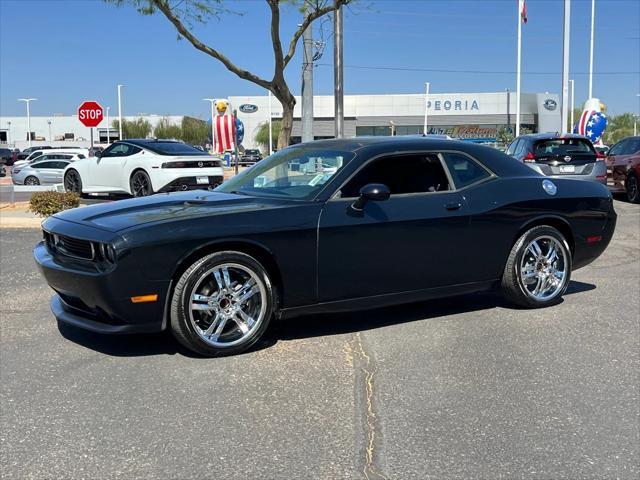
column 594, row 127
column 239, row 130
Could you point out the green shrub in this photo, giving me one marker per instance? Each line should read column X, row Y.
column 45, row 204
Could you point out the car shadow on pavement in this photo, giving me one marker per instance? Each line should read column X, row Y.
column 163, row 343
column 340, row 323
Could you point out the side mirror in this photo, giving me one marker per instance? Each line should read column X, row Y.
column 376, row 192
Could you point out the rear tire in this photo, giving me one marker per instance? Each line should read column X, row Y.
column 140, row 184
column 222, row 304
column 633, row 190
column 538, row 270
column 31, row 180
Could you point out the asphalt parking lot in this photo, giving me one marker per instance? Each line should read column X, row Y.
column 460, row 388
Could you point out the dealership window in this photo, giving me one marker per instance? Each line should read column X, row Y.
column 378, row 131
column 421, row 173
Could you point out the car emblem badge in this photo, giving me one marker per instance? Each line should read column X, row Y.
column 200, row 164
column 567, row 159
column 549, row 187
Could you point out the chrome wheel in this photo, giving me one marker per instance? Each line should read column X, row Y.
column 141, row 185
column 544, row 268
column 72, row 182
column 227, row 304
column 31, row 181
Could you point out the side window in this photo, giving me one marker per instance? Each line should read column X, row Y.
column 632, row 146
column 463, row 170
column 81, row 156
column 512, row 147
column 120, row 150
column 522, row 146
column 44, row 165
column 618, row 148
column 60, row 165
column 421, row 173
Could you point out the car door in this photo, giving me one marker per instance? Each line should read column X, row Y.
column 410, row 241
column 107, row 170
column 57, row 170
column 43, row 170
column 615, row 164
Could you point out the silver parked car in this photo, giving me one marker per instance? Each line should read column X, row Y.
column 39, row 173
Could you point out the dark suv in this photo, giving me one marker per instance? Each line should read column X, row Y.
column 623, row 168
column 250, row 156
column 555, row 155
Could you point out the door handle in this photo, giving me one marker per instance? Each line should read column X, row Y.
column 453, row 206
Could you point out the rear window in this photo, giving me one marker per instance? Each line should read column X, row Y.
column 562, row 146
column 173, row 148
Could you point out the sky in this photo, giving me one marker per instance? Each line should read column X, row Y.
column 65, row 51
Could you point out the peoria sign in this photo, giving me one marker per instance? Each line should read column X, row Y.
column 455, row 105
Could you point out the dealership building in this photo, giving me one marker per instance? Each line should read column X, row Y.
column 469, row 116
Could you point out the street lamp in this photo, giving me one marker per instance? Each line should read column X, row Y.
column 213, row 123
column 120, row 112
column 27, row 101
column 9, row 133
column 49, row 122
column 108, row 131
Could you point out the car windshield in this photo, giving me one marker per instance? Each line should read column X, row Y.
column 296, row 173
column 173, row 148
column 563, row 146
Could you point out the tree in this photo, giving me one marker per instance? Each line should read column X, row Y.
column 195, row 131
column 138, row 128
column 504, row 135
column 166, row 130
column 262, row 135
column 618, row 127
column 183, row 14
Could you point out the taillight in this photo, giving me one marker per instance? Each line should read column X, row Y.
column 530, row 157
column 600, row 155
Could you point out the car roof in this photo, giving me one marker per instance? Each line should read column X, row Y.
column 495, row 160
column 553, row 136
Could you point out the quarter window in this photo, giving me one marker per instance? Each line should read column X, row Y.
column 463, row 170
column 417, row 173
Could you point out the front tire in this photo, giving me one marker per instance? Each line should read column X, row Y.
column 631, row 185
column 222, row 304
column 538, row 269
column 140, row 184
column 31, row 180
column 73, row 182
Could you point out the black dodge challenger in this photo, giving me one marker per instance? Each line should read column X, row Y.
column 322, row 227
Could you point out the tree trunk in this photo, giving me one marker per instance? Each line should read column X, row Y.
column 288, row 102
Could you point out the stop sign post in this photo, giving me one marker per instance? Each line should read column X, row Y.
column 90, row 114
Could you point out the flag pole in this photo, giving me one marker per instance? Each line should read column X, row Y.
column 593, row 16
column 565, row 66
column 519, row 17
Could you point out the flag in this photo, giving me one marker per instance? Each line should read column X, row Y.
column 225, row 130
column 523, row 11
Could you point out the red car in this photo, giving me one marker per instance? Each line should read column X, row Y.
column 623, row 168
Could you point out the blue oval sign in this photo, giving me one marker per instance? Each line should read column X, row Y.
column 550, row 104
column 248, row 108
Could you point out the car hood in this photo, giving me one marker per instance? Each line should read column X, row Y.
column 123, row 214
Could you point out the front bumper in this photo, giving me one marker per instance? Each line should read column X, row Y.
column 99, row 299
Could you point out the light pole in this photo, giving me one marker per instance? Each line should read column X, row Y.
column 108, row 128
column 9, row 133
column 426, row 108
column 270, row 130
column 635, row 118
column 27, row 101
column 120, row 112
column 572, row 106
column 338, row 73
column 213, row 120
column 565, row 65
column 49, row 123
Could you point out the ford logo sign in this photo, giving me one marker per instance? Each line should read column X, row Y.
column 248, row 108
column 550, row 104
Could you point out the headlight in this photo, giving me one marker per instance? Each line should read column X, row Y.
column 15, row 170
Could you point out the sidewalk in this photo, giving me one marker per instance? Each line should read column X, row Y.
column 18, row 216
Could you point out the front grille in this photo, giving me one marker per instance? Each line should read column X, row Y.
column 71, row 247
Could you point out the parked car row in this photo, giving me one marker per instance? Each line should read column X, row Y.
column 574, row 156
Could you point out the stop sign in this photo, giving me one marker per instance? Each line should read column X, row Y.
column 90, row 114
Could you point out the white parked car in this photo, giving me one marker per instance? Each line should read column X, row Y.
column 143, row 167
column 38, row 155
